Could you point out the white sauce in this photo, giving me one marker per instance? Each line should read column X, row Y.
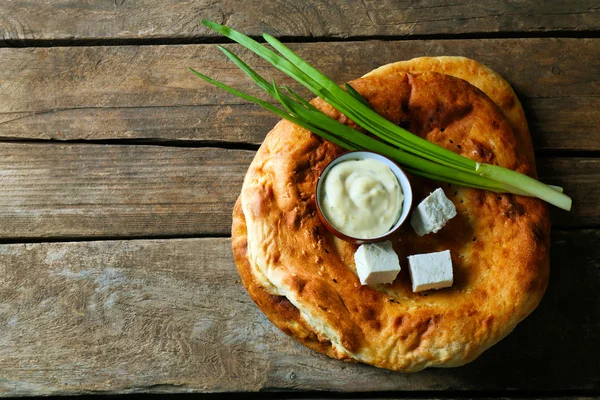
column 361, row 198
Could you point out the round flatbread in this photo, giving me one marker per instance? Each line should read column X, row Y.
column 304, row 279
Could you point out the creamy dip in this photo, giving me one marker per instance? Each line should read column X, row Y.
column 361, row 198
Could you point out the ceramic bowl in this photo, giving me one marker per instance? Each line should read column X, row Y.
column 402, row 180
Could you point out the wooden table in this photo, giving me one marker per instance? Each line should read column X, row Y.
column 119, row 170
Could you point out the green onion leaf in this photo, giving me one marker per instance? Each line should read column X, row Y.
column 356, row 95
column 340, row 142
column 416, row 154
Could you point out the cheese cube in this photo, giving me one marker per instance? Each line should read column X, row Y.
column 376, row 263
column 432, row 213
column 430, row 271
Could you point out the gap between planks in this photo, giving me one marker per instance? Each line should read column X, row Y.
column 182, row 143
column 196, row 144
column 160, row 41
column 216, row 235
column 157, row 394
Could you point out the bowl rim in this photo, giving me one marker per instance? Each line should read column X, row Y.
column 403, row 181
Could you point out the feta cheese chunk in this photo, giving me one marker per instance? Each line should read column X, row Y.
column 430, row 271
column 376, row 263
column 432, row 213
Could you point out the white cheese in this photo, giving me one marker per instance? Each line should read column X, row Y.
column 376, row 263
column 430, row 271
column 432, row 213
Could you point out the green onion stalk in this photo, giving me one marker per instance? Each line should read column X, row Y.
column 415, row 154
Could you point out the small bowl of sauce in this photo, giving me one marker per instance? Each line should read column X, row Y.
column 363, row 197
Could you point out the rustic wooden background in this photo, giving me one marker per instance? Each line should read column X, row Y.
column 119, row 170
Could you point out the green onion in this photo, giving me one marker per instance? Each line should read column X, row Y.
column 418, row 156
column 356, row 95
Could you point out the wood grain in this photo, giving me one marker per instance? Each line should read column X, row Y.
column 171, row 316
column 146, row 92
column 133, row 19
column 65, row 190
column 579, row 177
column 54, row 190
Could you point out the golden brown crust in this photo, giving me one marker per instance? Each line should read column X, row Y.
column 480, row 76
column 277, row 308
column 304, row 279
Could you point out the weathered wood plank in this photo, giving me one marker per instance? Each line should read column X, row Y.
column 171, row 316
column 147, row 92
column 126, row 19
column 105, row 191
column 579, row 177
column 82, row 190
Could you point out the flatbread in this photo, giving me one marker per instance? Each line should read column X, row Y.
column 304, row 279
